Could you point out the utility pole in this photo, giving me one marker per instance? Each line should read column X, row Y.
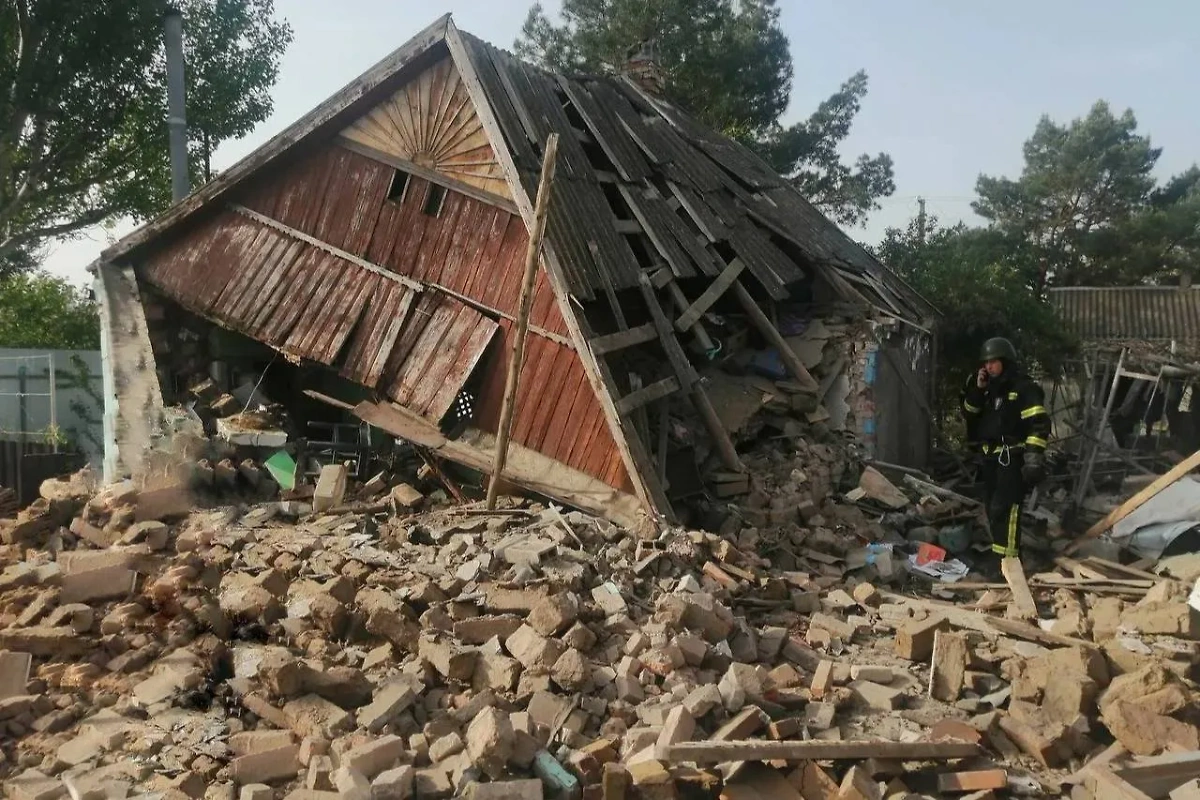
column 921, row 220
column 176, row 103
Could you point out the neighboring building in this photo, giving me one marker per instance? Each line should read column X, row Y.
column 1162, row 320
column 1144, row 343
column 377, row 244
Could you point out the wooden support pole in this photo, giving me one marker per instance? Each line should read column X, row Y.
column 772, row 335
column 1137, row 501
column 517, row 355
column 725, row 448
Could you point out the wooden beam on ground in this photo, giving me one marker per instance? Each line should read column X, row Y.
column 1124, row 569
column 648, row 394
column 713, row 293
column 1159, row 775
column 1137, row 501
column 1079, row 569
column 621, row 339
column 1014, row 574
column 1104, row 783
column 517, row 355
column 1035, row 634
column 629, row 226
column 815, row 750
column 771, row 334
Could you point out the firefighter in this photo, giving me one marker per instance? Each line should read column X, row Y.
column 1008, row 425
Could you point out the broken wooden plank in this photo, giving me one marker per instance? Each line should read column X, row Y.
column 973, row 620
column 774, row 337
column 679, row 299
column 1014, row 574
column 1036, row 634
column 948, row 669
column 1103, row 782
column 1079, row 569
column 647, row 394
column 1137, row 501
column 1158, row 775
column 713, row 293
column 627, row 226
column 622, row 339
column 814, row 750
column 1124, row 569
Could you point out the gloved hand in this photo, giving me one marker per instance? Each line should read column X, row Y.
column 1033, row 471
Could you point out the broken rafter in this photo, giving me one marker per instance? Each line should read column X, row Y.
column 689, row 380
column 771, row 334
column 648, row 394
column 622, row 339
column 713, row 293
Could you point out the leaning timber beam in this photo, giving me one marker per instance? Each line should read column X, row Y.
column 772, row 335
column 713, row 293
column 690, row 380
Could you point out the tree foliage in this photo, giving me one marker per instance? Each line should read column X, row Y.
column 976, row 278
column 727, row 62
column 39, row 310
column 83, row 134
column 1088, row 208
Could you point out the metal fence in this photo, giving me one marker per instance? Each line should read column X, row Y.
column 53, row 397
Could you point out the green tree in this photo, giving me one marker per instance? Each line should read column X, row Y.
column 726, row 62
column 1087, row 206
column 83, row 134
column 977, row 278
column 40, row 310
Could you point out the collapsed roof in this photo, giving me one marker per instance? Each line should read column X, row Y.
column 299, row 246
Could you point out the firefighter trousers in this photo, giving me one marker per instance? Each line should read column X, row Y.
column 1004, row 490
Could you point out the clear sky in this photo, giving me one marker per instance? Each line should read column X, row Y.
column 956, row 87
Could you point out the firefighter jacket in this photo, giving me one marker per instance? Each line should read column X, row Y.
column 1010, row 411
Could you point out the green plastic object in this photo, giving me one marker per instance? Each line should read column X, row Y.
column 283, row 469
column 955, row 538
column 559, row 783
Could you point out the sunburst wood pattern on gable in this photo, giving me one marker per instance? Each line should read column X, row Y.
column 432, row 122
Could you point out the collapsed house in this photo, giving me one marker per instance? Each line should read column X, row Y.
column 365, row 264
column 1124, row 406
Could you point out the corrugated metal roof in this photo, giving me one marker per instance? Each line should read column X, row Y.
column 1127, row 313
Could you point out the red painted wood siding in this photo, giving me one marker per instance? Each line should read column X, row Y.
column 472, row 248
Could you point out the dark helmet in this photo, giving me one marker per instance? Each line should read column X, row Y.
column 998, row 348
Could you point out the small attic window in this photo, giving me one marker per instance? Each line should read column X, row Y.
column 434, row 200
column 399, row 187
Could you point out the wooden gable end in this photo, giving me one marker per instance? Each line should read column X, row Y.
column 431, row 122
